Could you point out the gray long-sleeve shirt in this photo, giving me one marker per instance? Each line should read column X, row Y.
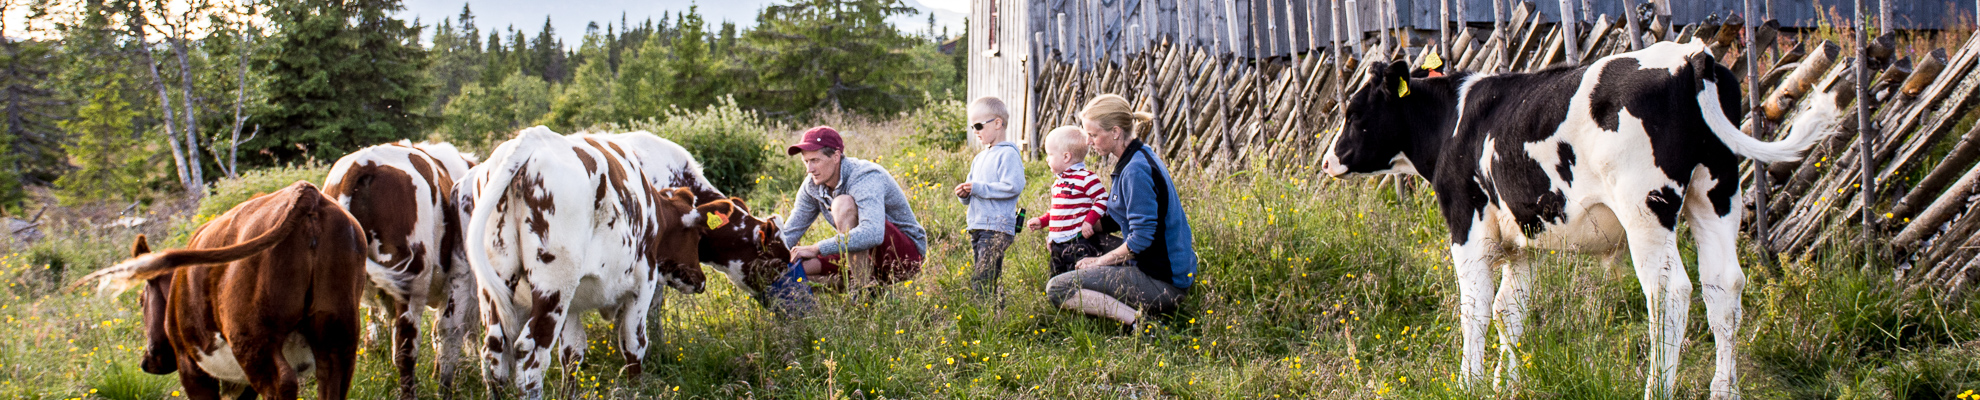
column 880, row 201
column 996, row 177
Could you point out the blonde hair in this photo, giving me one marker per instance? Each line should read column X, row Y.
column 1066, row 139
column 1113, row 111
column 989, row 105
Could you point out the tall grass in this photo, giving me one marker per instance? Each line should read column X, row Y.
column 1308, row 288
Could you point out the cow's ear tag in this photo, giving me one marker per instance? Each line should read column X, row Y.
column 1433, row 62
column 716, row 220
column 1402, row 88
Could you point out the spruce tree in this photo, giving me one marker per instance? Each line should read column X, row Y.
column 344, row 75
column 28, row 109
column 691, row 69
column 110, row 155
column 456, row 59
column 495, row 61
column 548, row 54
column 832, row 54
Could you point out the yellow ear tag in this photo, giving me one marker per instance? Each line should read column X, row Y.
column 717, row 220
column 1402, row 88
column 1433, row 62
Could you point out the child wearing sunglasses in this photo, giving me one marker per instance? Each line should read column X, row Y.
column 996, row 177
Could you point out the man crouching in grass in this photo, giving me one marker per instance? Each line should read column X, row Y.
column 878, row 239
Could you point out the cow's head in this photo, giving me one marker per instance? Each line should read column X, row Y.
column 677, row 253
column 742, row 246
column 159, row 358
column 1390, row 124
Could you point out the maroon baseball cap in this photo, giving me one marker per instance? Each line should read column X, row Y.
column 817, row 138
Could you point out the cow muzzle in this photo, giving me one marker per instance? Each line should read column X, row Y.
column 1332, row 166
column 158, row 361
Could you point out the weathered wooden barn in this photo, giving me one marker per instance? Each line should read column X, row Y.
column 1006, row 36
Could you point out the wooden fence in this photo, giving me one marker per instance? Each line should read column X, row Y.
column 1222, row 113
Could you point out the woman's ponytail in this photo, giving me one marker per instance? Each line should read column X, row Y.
column 1113, row 111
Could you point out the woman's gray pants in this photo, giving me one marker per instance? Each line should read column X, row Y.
column 1125, row 283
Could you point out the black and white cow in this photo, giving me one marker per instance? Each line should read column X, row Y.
column 1600, row 158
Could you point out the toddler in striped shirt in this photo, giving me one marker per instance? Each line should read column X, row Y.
column 1078, row 202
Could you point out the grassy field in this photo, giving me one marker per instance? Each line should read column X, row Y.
column 1309, row 288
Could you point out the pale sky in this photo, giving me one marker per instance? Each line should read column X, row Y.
column 569, row 17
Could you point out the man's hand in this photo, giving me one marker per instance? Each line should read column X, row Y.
column 963, row 189
column 803, row 252
column 1035, row 223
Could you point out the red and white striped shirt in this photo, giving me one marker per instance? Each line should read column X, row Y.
column 1077, row 198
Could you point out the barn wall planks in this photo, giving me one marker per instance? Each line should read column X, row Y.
column 998, row 60
column 1224, row 112
column 1097, row 28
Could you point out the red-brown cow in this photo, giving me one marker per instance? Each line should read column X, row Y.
column 264, row 293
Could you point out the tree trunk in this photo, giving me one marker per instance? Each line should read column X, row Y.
column 136, row 23
column 186, row 100
column 231, row 167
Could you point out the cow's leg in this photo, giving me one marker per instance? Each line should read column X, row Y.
column 265, row 354
column 377, row 310
column 497, row 362
column 336, row 359
column 198, row 385
column 1472, row 261
column 634, row 326
column 551, row 304
column 1651, row 226
column 242, row 392
column 570, row 349
column 405, row 342
column 451, row 333
column 1722, row 281
column 1510, row 308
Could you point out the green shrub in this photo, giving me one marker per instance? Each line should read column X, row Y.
column 731, row 143
column 125, row 381
column 227, row 193
column 940, row 124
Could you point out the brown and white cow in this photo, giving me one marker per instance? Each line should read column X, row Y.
column 564, row 225
column 747, row 251
column 402, row 196
column 263, row 294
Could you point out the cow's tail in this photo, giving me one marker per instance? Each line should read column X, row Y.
column 1720, row 96
column 301, row 200
column 500, row 176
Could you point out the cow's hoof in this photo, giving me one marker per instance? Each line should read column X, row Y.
column 631, row 371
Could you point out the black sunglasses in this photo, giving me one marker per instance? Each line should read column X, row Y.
column 979, row 125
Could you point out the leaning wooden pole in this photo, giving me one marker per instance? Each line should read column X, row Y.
column 1444, row 24
column 1457, row 11
column 1635, row 30
column 1353, row 18
column 1864, row 132
column 1761, row 180
column 1884, row 20
column 1568, row 37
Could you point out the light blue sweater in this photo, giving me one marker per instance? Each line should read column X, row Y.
column 996, row 177
column 880, row 201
